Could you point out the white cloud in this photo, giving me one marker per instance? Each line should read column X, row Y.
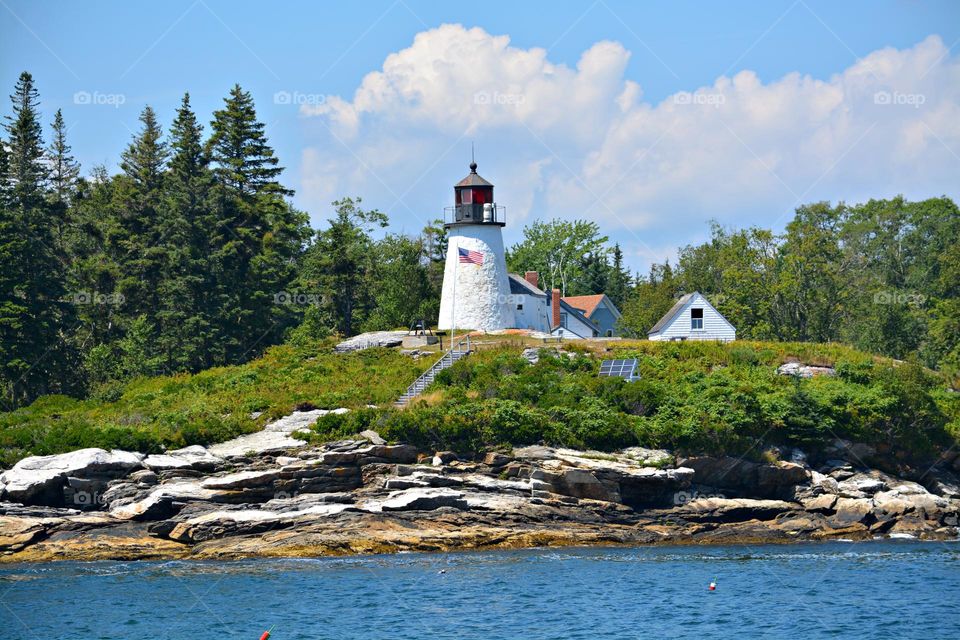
column 561, row 141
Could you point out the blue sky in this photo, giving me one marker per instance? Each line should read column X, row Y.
column 629, row 113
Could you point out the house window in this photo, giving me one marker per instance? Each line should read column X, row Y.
column 609, row 333
column 519, row 307
column 563, row 319
column 696, row 319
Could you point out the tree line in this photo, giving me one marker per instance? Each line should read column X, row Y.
column 190, row 257
column 883, row 276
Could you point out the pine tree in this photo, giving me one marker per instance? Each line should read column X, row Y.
column 32, row 306
column 186, row 332
column 143, row 161
column 257, row 237
column 64, row 172
column 244, row 161
column 136, row 239
column 618, row 279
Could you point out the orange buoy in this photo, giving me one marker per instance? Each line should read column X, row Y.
column 712, row 587
column 266, row 634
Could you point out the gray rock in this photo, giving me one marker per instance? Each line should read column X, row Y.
column 943, row 483
column 495, row 459
column 744, row 478
column 41, row 480
column 488, row 483
column 649, row 457
column 535, row 452
column 804, row 370
column 849, row 511
column 277, row 436
column 860, row 486
column 823, row 503
column 732, row 509
column 371, row 339
column 400, row 453
column 145, row 477
column 424, row 500
column 372, row 436
column 422, row 479
column 155, row 506
column 242, row 480
column 444, row 457
column 395, row 484
column 194, row 457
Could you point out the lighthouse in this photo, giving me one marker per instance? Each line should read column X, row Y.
column 476, row 286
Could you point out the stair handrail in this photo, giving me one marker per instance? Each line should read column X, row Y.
column 455, row 349
column 456, row 346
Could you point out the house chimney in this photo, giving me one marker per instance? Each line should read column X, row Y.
column 555, row 307
column 533, row 278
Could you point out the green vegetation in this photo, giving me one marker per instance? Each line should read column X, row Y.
column 192, row 256
column 148, row 414
column 693, row 397
column 883, row 276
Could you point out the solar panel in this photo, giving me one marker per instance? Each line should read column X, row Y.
column 619, row 369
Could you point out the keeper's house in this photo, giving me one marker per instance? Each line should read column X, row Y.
column 693, row 318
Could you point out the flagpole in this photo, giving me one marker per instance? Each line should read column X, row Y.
column 453, row 307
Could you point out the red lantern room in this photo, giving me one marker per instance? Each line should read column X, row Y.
column 474, row 201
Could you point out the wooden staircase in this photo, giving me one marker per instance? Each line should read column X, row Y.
column 460, row 349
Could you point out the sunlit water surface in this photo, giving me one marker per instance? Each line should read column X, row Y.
column 889, row 589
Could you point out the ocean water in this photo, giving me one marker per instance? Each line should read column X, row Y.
column 879, row 589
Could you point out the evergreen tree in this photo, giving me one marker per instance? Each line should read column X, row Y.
column 257, row 237
column 186, row 333
column 143, row 161
column 244, row 161
column 64, row 173
column 33, row 311
column 593, row 277
column 137, row 241
column 618, row 281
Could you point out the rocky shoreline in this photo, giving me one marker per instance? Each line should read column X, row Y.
column 271, row 495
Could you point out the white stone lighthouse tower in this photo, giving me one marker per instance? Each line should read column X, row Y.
column 476, row 287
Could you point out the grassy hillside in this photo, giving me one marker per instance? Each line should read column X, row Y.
column 214, row 405
column 693, row 397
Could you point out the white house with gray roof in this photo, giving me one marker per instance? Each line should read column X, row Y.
column 547, row 312
column 692, row 317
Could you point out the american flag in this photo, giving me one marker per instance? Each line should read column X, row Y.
column 469, row 257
